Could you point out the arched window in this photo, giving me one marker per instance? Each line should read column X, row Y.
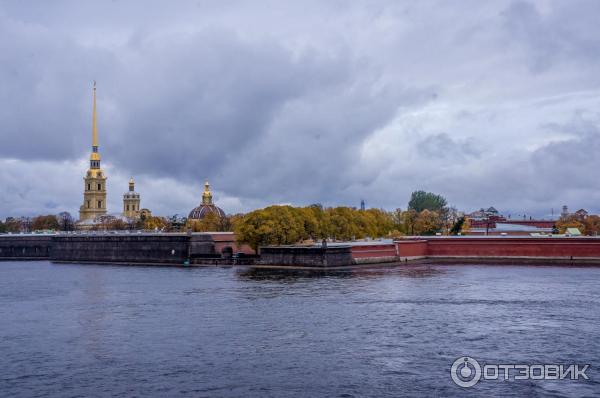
column 99, row 204
column 88, row 204
column 89, row 187
column 127, row 207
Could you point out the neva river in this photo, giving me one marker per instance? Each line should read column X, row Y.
column 86, row 330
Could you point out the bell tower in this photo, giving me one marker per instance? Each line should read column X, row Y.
column 131, row 201
column 94, row 189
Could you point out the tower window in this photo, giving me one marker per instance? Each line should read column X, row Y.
column 88, row 204
column 89, row 187
column 99, row 187
column 127, row 207
column 99, row 204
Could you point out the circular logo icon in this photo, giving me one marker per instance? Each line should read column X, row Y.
column 465, row 372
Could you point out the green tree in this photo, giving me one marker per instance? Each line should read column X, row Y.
column 421, row 200
column 457, row 227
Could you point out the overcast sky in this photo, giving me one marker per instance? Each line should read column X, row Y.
column 485, row 102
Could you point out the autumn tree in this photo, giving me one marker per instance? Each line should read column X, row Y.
column 570, row 221
column 427, row 223
column 13, row 225
column 49, row 222
column 592, row 225
column 409, row 217
column 466, row 227
column 152, row 223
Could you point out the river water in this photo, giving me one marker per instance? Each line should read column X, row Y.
column 86, row 330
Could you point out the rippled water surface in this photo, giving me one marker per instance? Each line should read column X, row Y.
column 86, row 330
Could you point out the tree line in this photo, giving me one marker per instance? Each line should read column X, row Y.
column 427, row 214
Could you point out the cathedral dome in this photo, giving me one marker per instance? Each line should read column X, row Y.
column 198, row 213
column 206, row 207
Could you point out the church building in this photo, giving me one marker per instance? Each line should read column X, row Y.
column 94, row 189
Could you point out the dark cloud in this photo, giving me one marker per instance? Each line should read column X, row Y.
column 331, row 102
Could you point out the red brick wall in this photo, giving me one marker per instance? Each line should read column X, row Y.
column 509, row 247
column 365, row 251
column 412, row 248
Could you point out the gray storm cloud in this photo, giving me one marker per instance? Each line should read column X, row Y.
column 489, row 103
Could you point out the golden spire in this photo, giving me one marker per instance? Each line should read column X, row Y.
column 95, row 156
column 207, row 195
column 94, row 127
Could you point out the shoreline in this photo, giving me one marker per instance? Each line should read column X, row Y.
column 466, row 261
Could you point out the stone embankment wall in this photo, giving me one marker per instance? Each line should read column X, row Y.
column 306, row 256
column 134, row 248
column 25, row 247
column 115, row 248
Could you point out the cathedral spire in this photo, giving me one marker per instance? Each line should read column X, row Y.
column 95, row 156
column 94, row 126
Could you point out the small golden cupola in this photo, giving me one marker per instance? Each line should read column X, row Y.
column 207, row 195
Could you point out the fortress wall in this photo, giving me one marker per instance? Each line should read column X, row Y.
column 227, row 239
column 310, row 256
column 514, row 247
column 366, row 251
column 412, row 248
column 150, row 248
column 25, row 247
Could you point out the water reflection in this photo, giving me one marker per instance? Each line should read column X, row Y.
column 294, row 274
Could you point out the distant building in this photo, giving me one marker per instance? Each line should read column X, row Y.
column 565, row 211
column 581, row 214
column 362, row 204
column 206, row 207
column 483, row 214
column 492, row 211
column 94, row 191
